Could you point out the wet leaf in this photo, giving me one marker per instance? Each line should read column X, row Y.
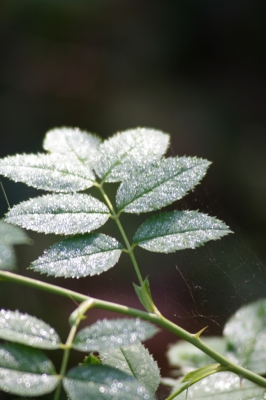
column 177, row 230
column 51, row 172
column 125, row 152
column 134, row 360
column 103, row 382
column 28, row 330
column 245, row 334
column 72, row 142
column 25, row 371
column 107, row 334
column 79, row 256
column 10, row 235
column 65, row 214
column 160, row 184
column 221, row 386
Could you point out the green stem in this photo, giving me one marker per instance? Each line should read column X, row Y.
column 154, row 318
column 124, row 236
column 75, row 319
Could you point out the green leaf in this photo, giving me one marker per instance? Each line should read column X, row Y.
column 186, row 356
column 177, row 230
column 10, row 235
column 221, row 386
column 79, row 256
column 25, row 371
column 160, row 184
column 65, row 214
column 127, row 151
column 108, row 334
column 72, row 142
column 103, row 382
column 245, row 333
column 201, row 373
column 134, row 360
column 28, row 330
column 144, row 295
column 51, row 172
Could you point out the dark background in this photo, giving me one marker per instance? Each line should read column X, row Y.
column 194, row 69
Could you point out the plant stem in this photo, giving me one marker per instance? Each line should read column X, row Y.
column 118, row 223
column 67, row 349
column 75, row 319
column 154, row 318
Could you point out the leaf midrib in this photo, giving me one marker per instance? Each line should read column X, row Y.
column 157, row 185
column 52, row 170
column 181, row 232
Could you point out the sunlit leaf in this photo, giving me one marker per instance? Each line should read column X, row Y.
column 160, row 184
column 245, row 333
column 10, row 235
column 61, row 214
column 72, row 142
column 177, row 230
column 134, row 360
column 25, row 371
column 107, row 334
column 51, row 172
column 79, row 256
column 221, row 386
column 28, row 330
column 124, row 152
column 102, row 382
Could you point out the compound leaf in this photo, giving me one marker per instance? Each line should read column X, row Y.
column 72, row 142
column 125, row 152
column 134, row 360
column 79, row 256
column 10, row 235
column 25, row 371
column 177, row 230
column 51, row 172
column 160, row 184
column 245, row 334
column 65, row 214
column 103, row 382
column 108, row 334
column 28, row 330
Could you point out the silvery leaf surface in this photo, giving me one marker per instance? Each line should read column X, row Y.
column 107, row 334
column 53, row 172
column 101, row 382
column 221, row 386
column 127, row 151
column 25, row 371
column 10, row 235
column 65, row 214
column 28, row 330
column 72, row 142
column 177, row 230
column 134, row 360
column 79, row 256
column 161, row 184
column 245, row 334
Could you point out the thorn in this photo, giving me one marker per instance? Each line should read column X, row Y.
column 240, row 381
column 198, row 334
